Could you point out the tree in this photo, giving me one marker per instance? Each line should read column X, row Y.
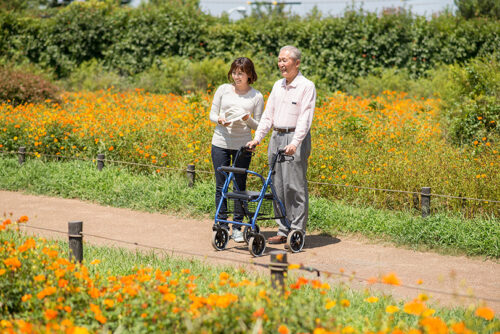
column 479, row 8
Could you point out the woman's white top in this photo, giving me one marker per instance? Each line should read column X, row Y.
column 232, row 106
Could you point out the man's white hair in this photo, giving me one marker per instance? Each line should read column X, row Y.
column 296, row 54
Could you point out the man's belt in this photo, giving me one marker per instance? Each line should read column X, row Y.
column 284, row 130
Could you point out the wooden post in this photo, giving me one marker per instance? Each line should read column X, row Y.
column 191, row 174
column 75, row 241
column 279, row 269
column 100, row 161
column 22, row 155
column 425, row 200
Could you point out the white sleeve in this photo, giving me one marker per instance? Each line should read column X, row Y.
column 253, row 122
column 216, row 103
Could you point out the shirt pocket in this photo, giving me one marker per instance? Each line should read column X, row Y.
column 294, row 107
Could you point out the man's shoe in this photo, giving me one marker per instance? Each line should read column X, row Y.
column 277, row 239
column 238, row 236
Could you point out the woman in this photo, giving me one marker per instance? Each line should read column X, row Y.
column 236, row 109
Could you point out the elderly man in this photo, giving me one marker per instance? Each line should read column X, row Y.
column 289, row 112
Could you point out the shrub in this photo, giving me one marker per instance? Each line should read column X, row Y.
column 93, row 75
column 17, row 87
column 478, row 8
column 430, row 84
column 472, row 101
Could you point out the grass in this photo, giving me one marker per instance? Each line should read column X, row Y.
column 304, row 309
column 152, row 192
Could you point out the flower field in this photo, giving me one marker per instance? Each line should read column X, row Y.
column 391, row 142
column 41, row 291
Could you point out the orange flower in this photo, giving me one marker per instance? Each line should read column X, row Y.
column 109, row 303
column 258, row 313
column 415, row 307
column 28, row 244
column 391, row 279
column 435, row 325
column 12, row 262
column 22, row 219
column 26, row 297
column 50, row 314
column 46, row 292
column 485, row 313
column 39, row 278
column 459, row 328
column 345, row 303
column 282, row 329
column 102, row 319
column 62, row 283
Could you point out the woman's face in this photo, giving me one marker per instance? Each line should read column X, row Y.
column 240, row 78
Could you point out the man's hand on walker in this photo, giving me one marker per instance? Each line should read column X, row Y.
column 290, row 149
column 251, row 145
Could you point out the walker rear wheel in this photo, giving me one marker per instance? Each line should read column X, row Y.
column 295, row 241
column 257, row 245
column 220, row 237
column 247, row 232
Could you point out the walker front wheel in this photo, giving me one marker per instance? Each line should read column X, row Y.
column 220, row 237
column 295, row 241
column 257, row 245
column 247, row 232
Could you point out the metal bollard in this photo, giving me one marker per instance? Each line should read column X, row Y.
column 75, row 241
column 279, row 269
column 22, row 155
column 191, row 174
column 425, row 200
column 100, row 161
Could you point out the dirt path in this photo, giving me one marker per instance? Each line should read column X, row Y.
column 450, row 274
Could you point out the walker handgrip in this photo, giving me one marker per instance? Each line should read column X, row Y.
column 235, row 170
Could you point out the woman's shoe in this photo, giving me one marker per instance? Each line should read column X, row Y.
column 238, row 236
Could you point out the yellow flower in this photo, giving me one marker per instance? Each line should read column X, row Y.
column 371, row 299
column 348, row 330
column 391, row 309
column 330, row 304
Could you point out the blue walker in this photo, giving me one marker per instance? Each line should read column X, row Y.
column 253, row 205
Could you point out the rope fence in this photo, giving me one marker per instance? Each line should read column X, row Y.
column 278, row 264
column 191, row 172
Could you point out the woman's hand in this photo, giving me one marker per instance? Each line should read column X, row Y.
column 223, row 122
column 247, row 116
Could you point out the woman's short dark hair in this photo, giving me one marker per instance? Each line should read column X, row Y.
column 245, row 65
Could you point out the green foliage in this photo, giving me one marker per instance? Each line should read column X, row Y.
column 139, row 292
column 91, row 76
column 18, row 87
column 169, row 193
column 336, row 49
column 478, row 8
column 430, row 84
column 472, row 101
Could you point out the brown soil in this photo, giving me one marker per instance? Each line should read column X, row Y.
column 357, row 258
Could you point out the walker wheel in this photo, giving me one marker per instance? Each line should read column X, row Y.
column 295, row 241
column 247, row 232
column 220, row 237
column 257, row 245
